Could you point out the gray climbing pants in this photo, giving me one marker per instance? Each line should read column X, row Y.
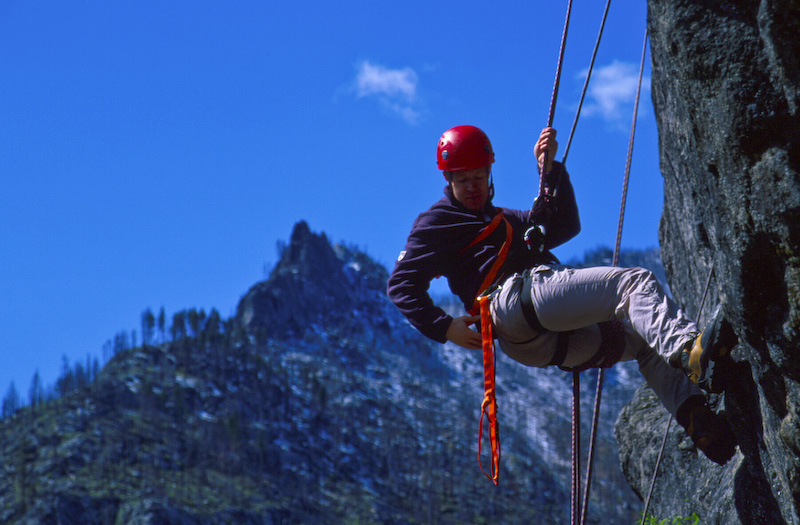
column 574, row 300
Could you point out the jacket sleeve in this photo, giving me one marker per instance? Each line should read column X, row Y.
column 564, row 223
column 409, row 283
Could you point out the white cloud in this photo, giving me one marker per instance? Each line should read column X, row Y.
column 612, row 91
column 396, row 89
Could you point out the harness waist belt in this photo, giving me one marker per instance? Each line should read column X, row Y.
column 526, row 302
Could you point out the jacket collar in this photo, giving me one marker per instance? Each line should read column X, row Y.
column 488, row 208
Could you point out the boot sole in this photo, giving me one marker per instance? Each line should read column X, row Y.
column 713, row 345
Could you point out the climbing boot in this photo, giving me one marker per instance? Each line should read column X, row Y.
column 710, row 432
column 708, row 357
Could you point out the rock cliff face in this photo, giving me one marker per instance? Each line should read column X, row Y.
column 726, row 90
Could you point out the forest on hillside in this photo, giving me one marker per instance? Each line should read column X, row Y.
column 158, row 328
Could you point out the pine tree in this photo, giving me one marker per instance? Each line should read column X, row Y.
column 213, row 327
column 108, row 348
column 148, row 326
column 195, row 321
column 66, row 381
column 36, row 392
column 178, row 328
column 121, row 342
column 11, row 402
column 161, row 322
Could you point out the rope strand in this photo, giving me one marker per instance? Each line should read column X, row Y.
column 669, row 421
column 615, row 262
column 576, row 447
column 577, row 512
column 592, row 440
column 586, row 82
column 630, row 154
column 554, row 96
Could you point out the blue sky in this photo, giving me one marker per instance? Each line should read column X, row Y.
column 154, row 153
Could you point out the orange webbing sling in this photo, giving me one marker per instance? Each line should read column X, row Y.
column 481, row 305
column 489, row 405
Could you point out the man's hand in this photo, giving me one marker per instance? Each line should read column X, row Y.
column 547, row 142
column 461, row 334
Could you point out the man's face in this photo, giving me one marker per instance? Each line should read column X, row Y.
column 471, row 187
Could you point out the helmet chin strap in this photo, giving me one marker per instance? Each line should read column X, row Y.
column 491, row 185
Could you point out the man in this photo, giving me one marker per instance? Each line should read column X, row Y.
column 544, row 313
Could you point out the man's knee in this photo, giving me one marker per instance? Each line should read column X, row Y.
column 644, row 279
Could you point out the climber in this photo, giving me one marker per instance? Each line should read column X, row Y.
column 544, row 313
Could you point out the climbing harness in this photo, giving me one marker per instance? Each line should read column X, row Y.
column 612, row 334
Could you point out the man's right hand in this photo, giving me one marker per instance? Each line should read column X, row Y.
column 547, row 142
column 460, row 333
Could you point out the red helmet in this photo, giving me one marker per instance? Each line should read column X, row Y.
column 464, row 148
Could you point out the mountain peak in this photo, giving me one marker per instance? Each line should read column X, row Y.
column 313, row 284
column 308, row 254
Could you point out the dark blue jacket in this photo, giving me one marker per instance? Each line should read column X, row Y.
column 436, row 247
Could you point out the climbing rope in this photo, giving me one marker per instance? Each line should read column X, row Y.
column 630, row 152
column 554, row 96
column 531, row 238
column 576, row 446
column 592, row 441
column 669, row 421
column 615, row 262
column 576, row 375
column 534, row 237
column 586, row 82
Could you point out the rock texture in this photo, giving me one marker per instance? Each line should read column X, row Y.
column 726, row 90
